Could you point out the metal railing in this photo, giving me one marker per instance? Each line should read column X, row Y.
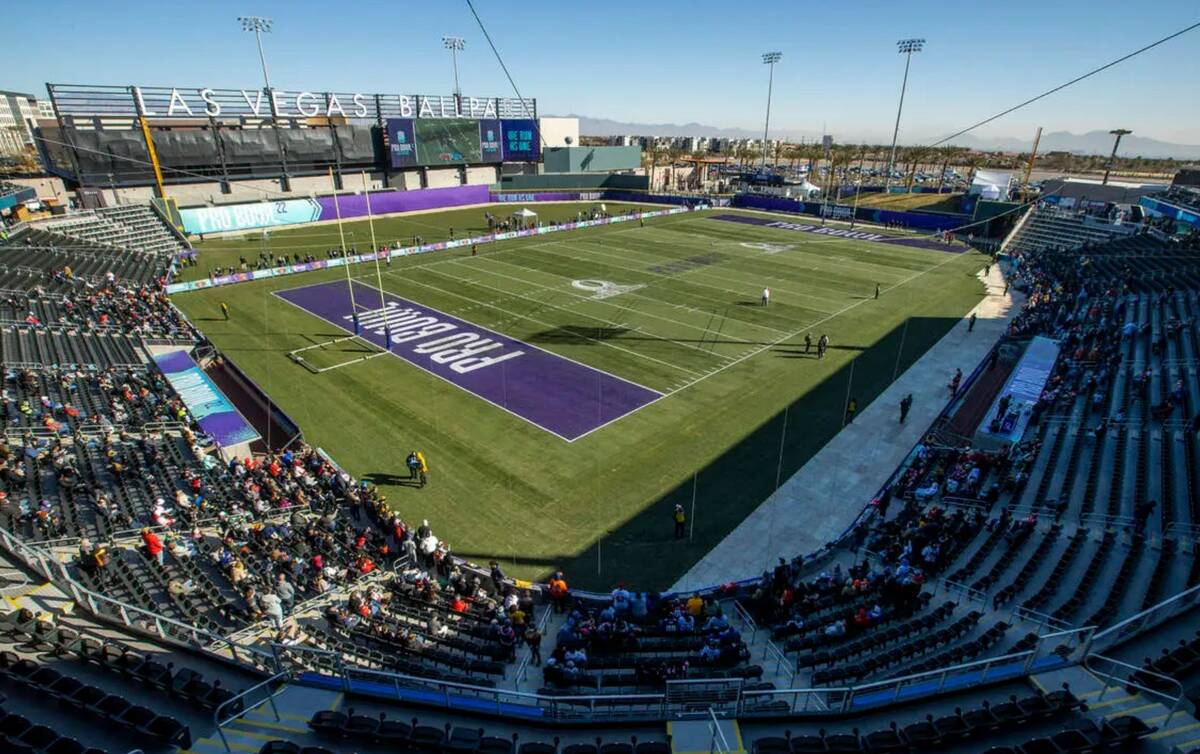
column 782, row 663
column 718, row 744
column 1119, row 678
column 1148, row 618
column 239, row 707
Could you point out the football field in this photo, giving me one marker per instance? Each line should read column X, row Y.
column 568, row 389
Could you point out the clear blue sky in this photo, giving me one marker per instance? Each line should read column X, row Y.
column 656, row 61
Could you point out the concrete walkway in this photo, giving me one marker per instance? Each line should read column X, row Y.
column 821, row 499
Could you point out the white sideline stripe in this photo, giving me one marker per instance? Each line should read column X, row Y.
column 696, row 271
column 608, row 302
column 505, row 409
column 511, row 294
column 845, row 309
column 540, row 322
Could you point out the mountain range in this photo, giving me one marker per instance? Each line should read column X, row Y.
column 1092, row 142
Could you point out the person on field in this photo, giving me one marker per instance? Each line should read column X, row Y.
column 877, row 290
column 851, row 410
column 971, row 322
column 413, row 464
column 422, row 468
column 822, row 345
column 955, row 382
column 225, row 310
column 807, row 342
column 905, row 407
column 680, row 519
column 766, row 296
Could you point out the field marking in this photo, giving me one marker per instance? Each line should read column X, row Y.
column 463, row 388
column 544, row 323
column 752, row 293
column 690, row 281
column 604, row 301
column 634, row 294
column 589, row 316
column 848, row 307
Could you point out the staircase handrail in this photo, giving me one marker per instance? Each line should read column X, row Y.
column 1170, row 701
column 241, row 710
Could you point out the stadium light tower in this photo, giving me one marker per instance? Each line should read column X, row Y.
column 258, row 25
column 455, row 45
column 905, row 47
column 1117, row 132
column 770, row 59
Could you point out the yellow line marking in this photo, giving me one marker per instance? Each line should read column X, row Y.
column 216, row 742
column 1187, row 745
column 271, row 724
column 1174, row 731
column 12, row 601
column 338, row 701
column 250, row 734
column 1135, row 710
column 1110, row 701
column 737, row 732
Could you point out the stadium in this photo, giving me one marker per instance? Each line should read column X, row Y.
column 373, row 422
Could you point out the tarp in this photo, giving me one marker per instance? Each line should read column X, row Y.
column 991, row 184
column 212, row 411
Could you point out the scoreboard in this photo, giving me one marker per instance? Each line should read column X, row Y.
column 425, row 142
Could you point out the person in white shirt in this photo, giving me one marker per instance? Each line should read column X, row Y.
column 766, row 297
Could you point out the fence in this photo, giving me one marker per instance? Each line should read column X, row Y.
column 250, row 699
column 1117, row 673
column 1148, row 618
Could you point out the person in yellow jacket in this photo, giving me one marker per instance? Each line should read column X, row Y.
column 422, row 468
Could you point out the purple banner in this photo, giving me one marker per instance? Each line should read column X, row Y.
column 212, row 411
column 831, row 231
column 386, row 202
column 559, row 395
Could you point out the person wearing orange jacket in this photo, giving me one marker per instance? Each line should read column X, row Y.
column 154, row 545
column 559, row 593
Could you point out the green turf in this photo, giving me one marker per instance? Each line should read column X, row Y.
column 227, row 250
column 601, row 507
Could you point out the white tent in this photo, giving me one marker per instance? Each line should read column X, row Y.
column 525, row 213
column 991, row 184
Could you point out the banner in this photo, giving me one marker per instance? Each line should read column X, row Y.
column 232, row 217
column 521, row 142
column 290, row 269
column 402, row 143
column 208, row 406
column 489, row 141
column 452, row 141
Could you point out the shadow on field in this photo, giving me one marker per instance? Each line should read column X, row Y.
column 577, row 334
column 644, row 552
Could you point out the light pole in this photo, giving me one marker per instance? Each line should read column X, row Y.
column 258, row 25
column 770, row 59
column 905, row 47
column 455, row 45
column 1117, row 132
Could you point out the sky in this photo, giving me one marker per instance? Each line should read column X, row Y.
column 661, row 61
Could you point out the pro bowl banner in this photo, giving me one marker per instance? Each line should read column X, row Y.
column 251, row 215
column 208, row 406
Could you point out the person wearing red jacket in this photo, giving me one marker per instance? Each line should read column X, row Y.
column 154, row 545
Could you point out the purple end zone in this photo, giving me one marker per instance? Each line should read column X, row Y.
column 832, row 232
column 561, row 396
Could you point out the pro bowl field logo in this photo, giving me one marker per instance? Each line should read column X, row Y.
column 255, row 215
column 602, row 289
column 767, row 248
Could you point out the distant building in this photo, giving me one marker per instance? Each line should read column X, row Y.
column 19, row 114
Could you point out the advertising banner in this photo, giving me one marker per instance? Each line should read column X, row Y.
column 212, row 410
column 402, row 144
column 520, row 140
column 244, row 216
column 489, row 140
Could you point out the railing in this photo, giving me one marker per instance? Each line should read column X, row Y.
column 135, row 618
column 1039, row 620
column 238, row 706
column 970, row 593
column 718, row 744
column 1108, row 520
column 747, row 621
column 523, row 669
column 782, row 663
column 1148, row 618
column 1119, row 678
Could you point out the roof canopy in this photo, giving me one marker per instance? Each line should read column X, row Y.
column 524, row 212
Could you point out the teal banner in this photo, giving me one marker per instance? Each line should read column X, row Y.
column 244, row 216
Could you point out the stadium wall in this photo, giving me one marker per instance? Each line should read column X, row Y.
column 916, row 220
column 568, row 181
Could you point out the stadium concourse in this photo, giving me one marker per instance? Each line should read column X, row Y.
column 1025, row 579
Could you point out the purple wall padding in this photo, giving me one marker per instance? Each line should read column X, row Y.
column 387, row 202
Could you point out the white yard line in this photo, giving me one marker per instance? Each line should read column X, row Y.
column 541, row 322
column 848, row 307
column 588, row 299
column 654, row 336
